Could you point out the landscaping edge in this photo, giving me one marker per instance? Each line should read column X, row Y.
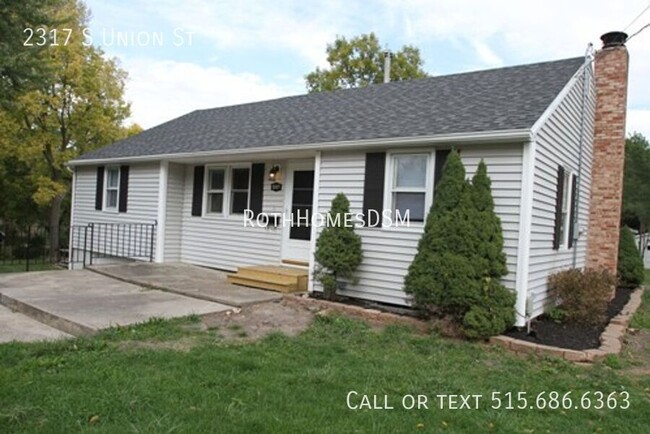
column 611, row 339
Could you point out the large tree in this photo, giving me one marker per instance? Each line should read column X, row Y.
column 359, row 61
column 636, row 187
column 79, row 107
column 21, row 65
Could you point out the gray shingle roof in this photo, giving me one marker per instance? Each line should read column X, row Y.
column 497, row 99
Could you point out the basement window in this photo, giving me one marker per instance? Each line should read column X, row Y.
column 112, row 188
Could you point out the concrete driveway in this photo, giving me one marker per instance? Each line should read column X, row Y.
column 83, row 302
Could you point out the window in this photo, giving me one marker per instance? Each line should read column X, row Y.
column 112, row 188
column 566, row 211
column 227, row 190
column 409, row 185
column 239, row 190
column 216, row 187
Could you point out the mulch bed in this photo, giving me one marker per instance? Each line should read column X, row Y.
column 545, row 331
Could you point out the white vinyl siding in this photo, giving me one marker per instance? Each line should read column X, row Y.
column 557, row 143
column 142, row 206
column 174, row 214
column 388, row 252
column 222, row 241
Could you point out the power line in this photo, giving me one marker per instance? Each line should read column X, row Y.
column 637, row 17
column 639, row 31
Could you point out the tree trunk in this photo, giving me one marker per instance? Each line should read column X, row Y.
column 55, row 222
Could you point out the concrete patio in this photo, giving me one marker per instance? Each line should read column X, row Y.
column 198, row 282
column 83, row 302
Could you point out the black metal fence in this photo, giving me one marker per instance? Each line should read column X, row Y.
column 25, row 248
column 107, row 242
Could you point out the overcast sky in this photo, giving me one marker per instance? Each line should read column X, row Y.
column 242, row 51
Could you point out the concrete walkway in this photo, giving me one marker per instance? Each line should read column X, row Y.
column 198, row 282
column 15, row 326
column 83, row 302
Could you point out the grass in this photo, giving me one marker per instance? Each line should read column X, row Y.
column 18, row 267
column 647, row 277
column 282, row 384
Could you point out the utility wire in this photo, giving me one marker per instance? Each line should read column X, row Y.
column 639, row 31
column 637, row 17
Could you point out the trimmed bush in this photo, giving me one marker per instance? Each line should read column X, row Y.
column 338, row 248
column 460, row 258
column 582, row 295
column 630, row 263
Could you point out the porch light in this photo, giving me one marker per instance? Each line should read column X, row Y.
column 274, row 173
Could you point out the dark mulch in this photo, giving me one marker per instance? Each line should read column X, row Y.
column 576, row 337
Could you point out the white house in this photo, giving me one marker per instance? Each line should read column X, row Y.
column 384, row 147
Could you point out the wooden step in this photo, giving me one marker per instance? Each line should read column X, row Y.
column 274, row 278
column 295, row 262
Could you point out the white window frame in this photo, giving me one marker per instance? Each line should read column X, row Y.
column 566, row 208
column 227, row 189
column 389, row 188
column 108, row 188
column 208, row 190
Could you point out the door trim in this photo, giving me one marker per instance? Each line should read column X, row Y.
column 292, row 166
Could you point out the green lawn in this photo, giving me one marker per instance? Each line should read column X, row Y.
column 171, row 377
column 647, row 277
column 18, row 267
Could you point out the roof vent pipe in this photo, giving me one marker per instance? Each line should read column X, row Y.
column 386, row 66
column 613, row 39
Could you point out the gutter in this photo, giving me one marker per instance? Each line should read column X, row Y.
column 501, row 136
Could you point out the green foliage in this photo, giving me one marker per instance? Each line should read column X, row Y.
column 630, row 263
column 22, row 67
column 338, row 248
column 460, row 258
column 557, row 314
column 359, row 62
column 78, row 107
column 636, row 187
column 582, row 294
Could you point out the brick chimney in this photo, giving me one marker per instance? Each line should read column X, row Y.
column 611, row 70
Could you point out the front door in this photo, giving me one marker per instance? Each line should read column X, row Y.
column 299, row 199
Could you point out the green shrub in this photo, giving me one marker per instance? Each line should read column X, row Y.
column 460, row 259
column 583, row 295
column 338, row 248
column 630, row 263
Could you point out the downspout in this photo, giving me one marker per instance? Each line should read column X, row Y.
column 585, row 96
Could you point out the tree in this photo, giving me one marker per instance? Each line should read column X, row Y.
column 79, row 108
column 495, row 311
column 359, row 62
column 338, row 248
column 460, row 260
column 630, row 263
column 636, row 188
column 21, row 66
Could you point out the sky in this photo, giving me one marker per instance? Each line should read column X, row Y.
column 194, row 54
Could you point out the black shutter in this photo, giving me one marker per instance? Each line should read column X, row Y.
column 441, row 159
column 197, row 193
column 124, row 188
column 257, row 188
column 373, row 187
column 99, row 190
column 558, row 208
column 572, row 211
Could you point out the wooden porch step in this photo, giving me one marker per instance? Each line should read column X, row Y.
column 295, row 262
column 274, row 278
